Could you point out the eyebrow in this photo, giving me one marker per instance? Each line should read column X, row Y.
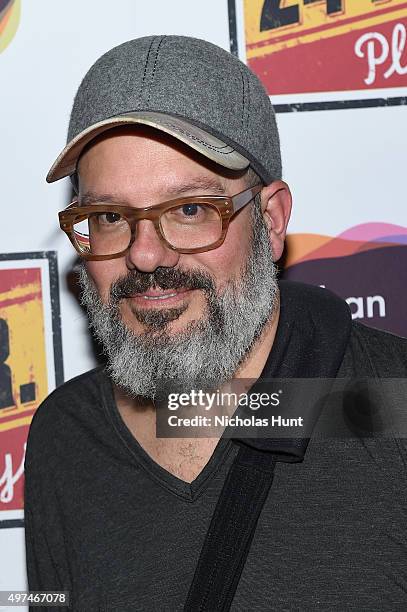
column 210, row 184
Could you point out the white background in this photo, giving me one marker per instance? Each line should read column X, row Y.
column 345, row 167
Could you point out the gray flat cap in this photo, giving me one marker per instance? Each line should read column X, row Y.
column 186, row 87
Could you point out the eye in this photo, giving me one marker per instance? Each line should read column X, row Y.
column 191, row 214
column 108, row 218
column 190, row 210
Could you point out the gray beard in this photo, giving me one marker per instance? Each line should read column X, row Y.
column 207, row 352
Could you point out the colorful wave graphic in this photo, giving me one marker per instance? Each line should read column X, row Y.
column 10, row 11
column 357, row 239
column 366, row 265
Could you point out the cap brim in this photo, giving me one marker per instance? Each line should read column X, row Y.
column 193, row 136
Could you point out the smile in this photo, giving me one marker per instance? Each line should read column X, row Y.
column 160, row 297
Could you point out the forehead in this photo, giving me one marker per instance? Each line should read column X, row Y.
column 146, row 160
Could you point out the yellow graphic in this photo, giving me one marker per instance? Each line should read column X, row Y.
column 289, row 23
column 10, row 11
column 24, row 380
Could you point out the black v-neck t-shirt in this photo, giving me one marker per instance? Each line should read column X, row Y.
column 120, row 533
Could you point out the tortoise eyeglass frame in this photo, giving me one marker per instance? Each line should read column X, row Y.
column 226, row 206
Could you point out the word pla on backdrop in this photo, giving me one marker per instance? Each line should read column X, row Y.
column 319, row 50
column 30, row 363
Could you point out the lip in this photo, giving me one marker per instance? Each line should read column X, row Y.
column 155, row 298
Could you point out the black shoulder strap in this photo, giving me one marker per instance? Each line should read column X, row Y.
column 312, row 335
column 231, row 531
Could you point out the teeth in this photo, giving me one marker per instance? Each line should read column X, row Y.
column 159, row 297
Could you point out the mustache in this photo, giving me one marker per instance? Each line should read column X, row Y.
column 163, row 278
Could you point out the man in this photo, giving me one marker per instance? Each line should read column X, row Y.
column 180, row 216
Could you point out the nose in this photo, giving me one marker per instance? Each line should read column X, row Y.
column 147, row 252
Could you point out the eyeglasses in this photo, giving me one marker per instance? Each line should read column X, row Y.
column 192, row 224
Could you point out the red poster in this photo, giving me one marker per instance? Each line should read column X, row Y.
column 30, row 363
column 321, row 50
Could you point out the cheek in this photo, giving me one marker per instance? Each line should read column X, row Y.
column 104, row 273
column 226, row 261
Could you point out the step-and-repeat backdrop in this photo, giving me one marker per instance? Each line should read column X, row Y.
column 336, row 71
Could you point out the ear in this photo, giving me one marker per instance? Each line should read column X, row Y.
column 276, row 204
